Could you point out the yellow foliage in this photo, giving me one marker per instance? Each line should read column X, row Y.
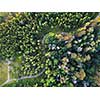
column 59, row 36
column 98, row 19
column 81, row 74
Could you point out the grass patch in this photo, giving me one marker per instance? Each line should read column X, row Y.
column 3, row 72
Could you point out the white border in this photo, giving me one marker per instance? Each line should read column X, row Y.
column 50, row 5
column 49, row 93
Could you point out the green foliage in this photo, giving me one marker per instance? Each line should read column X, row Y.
column 77, row 63
column 33, row 37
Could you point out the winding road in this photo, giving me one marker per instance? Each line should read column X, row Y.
column 21, row 78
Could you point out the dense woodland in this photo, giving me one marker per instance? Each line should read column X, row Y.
column 50, row 49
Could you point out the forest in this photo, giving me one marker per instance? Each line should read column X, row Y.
column 49, row 49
